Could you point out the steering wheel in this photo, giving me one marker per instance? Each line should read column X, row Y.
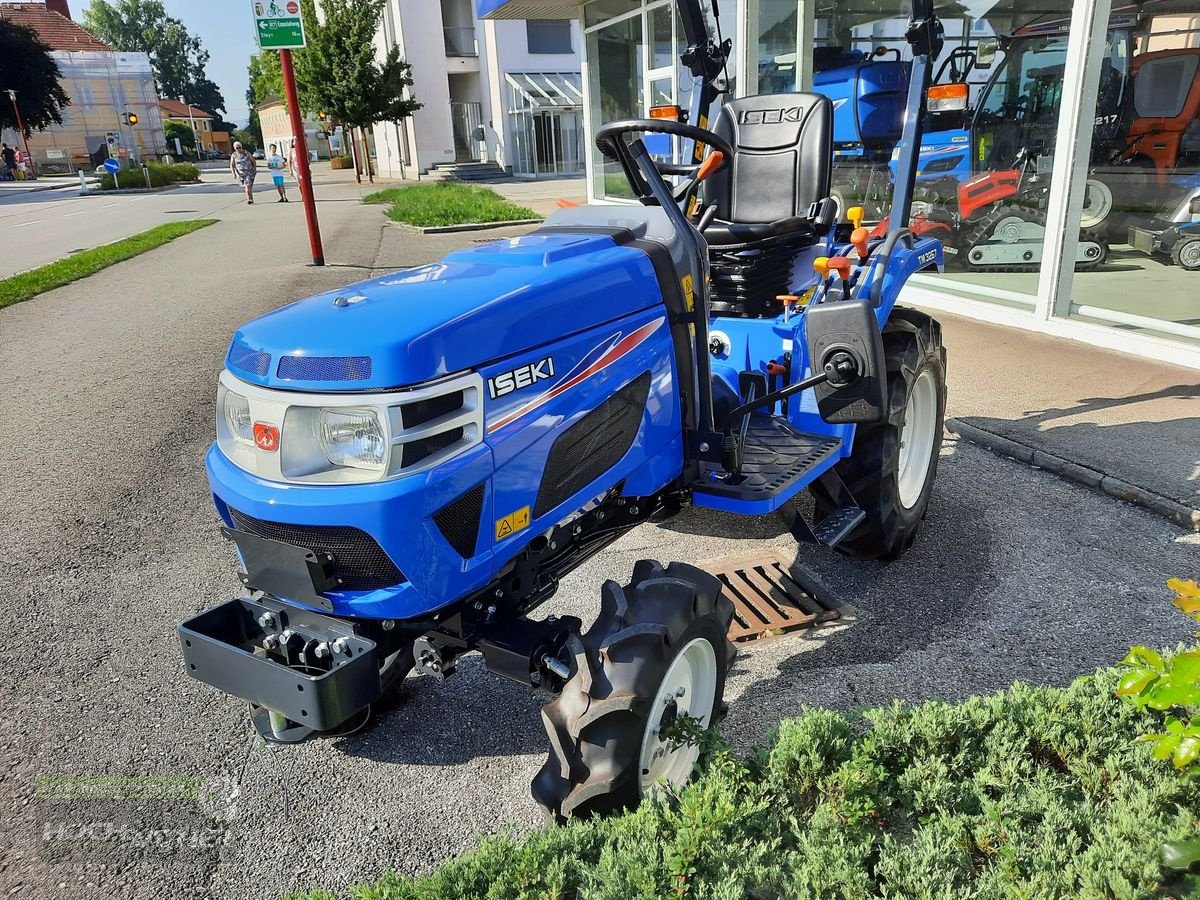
column 610, row 140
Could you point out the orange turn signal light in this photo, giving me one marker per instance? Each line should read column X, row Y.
column 666, row 112
column 948, row 97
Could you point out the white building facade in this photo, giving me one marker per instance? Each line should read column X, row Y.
column 504, row 92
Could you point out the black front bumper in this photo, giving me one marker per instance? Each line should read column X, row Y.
column 301, row 677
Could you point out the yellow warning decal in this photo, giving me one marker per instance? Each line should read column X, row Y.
column 512, row 523
column 689, row 292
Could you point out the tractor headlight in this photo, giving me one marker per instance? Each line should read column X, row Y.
column 353, row 438
column 349, row 438
column 236, row 410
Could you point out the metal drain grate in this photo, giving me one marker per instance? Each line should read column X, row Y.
column 769, row 599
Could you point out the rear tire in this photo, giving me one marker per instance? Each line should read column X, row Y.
column 894, row 463
column 1186, row 253
column 658, row 650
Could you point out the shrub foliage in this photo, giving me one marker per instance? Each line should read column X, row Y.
column 1034, row 792
column 161, row 174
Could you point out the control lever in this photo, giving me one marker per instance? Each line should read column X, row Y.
column 861, row 239
column 842, row 265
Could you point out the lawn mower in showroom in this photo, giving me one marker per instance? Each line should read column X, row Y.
column 409, row 466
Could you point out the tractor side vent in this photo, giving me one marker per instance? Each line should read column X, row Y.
column 593, row 445
column 358, row 559
column 252, row 362
column 324, row 368
column 746, row 281
column 458, row 521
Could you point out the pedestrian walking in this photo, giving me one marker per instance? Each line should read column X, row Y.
column 275, row 163
column 8, row 162
column 244, row 168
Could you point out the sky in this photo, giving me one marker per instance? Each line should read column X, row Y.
column 227, row 30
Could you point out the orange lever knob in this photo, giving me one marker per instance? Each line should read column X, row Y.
column 860, row 238
column 711, row 163
column 841, row 265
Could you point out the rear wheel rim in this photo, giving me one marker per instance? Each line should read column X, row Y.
column 689, row 688
column 1189, row 255
column 1097, row 203
column 917, row 437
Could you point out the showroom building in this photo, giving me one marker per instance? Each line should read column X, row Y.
column 1093, row 108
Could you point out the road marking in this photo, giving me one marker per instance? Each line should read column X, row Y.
column 109, row 206
column 24, row 224
column 82, row 212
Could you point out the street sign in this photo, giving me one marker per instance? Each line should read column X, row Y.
column 278, row 24
column 112, row 166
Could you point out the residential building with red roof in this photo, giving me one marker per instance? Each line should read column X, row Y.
column 103, row 84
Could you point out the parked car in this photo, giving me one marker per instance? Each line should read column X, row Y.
column 258, row 154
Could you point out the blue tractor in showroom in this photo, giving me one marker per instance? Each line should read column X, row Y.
column 410, row 465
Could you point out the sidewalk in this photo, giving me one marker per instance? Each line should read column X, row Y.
column 1127, row 426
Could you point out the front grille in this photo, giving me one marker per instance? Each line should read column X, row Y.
column 358, row 559
column 324, row 368
column 252, row 362
column 593, row 445
column 458, row 521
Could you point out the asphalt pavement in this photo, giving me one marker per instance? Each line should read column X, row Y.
column 109, row 539
column 37, row 227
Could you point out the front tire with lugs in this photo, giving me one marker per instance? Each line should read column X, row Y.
column 658, row 650
column 894, row 462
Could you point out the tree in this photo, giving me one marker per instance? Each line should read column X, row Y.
column 177, row 58
column 247, row 139
column 186, row 136
column 340, row 71
column 27, row 68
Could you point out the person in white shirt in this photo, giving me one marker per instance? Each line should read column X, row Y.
column 276, row 164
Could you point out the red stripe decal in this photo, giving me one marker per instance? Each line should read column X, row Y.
column 623, row 346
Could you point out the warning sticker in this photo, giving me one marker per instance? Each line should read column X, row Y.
column 512, row 523
column 689, row 291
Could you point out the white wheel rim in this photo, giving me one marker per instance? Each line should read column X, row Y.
column 1189, row 255
column 1097, row 203
column 917, row 437
column 691, row 683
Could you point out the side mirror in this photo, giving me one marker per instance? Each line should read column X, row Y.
column 985, row 53
column 837, row 332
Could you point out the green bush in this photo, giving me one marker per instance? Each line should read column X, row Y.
column 161, row 174
column 1036, row 792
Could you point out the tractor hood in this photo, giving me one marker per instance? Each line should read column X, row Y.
column 471, row 308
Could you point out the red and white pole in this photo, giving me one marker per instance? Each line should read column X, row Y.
column 301, row 151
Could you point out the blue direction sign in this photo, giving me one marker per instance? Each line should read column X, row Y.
column 112, row 166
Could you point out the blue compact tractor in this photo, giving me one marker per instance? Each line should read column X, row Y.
column 409, row 466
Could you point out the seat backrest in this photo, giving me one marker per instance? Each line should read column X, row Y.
column 783, row 151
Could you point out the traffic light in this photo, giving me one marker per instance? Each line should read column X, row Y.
column 131, row 118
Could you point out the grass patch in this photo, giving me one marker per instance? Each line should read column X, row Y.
column 447, row 203
column 22, row 286
column 1034, row 792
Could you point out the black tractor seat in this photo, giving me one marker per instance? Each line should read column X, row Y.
column 781, row 166
column 732, row 235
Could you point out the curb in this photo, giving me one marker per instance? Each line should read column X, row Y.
column 469, row 226
column 1177, row 512
column 99, row 192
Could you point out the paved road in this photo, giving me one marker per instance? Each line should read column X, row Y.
column 42, row 226
column 108, row 539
